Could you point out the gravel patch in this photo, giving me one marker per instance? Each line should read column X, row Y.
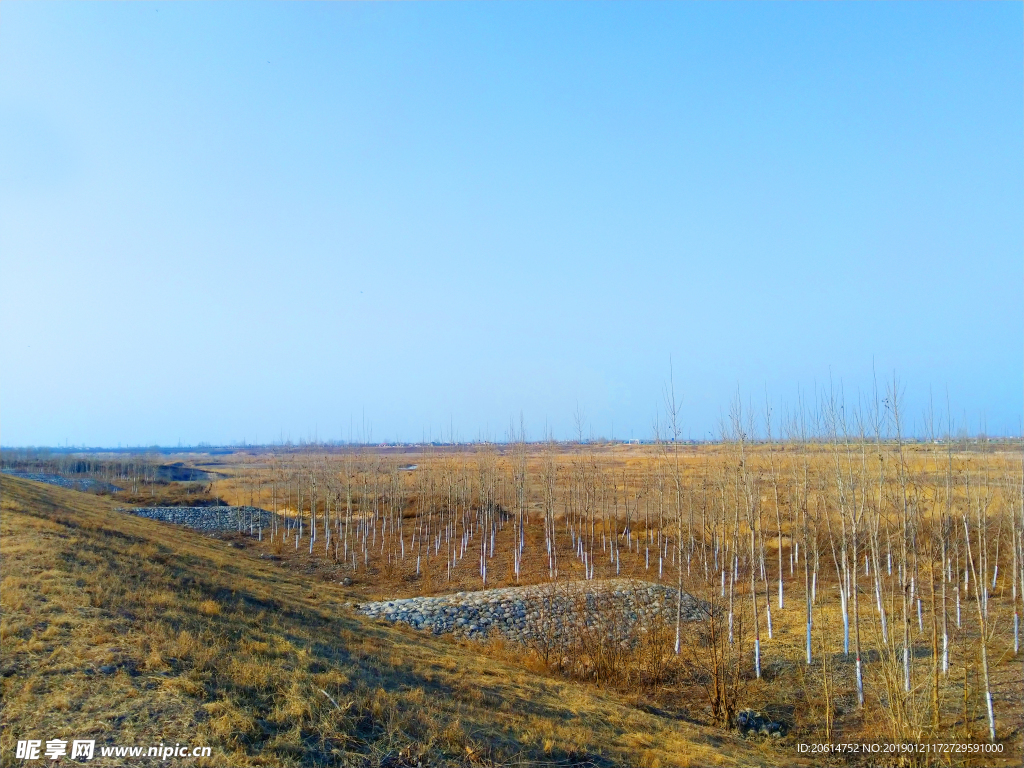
column 219, row 518
column 74, row 483
column 619, row 607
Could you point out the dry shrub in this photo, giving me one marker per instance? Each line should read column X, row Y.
column 209, row 608
column 600, row 639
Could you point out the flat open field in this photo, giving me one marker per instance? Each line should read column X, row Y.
column 251, row 640
column 130, row 631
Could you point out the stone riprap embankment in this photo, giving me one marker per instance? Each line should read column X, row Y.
column 245, row 519
column 560, row 613
column 74, row 483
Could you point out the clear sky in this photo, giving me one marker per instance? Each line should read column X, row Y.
column 246, row 221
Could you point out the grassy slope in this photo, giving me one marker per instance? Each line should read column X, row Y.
column 214, row 646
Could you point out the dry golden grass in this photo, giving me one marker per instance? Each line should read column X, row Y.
column 698, row 464
column 132, row 632
column 789, row 686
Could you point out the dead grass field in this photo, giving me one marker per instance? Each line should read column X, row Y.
column 131, row 631
column 788, row 685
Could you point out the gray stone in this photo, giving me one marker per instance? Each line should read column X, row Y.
column 242, row 519
column 620, row 607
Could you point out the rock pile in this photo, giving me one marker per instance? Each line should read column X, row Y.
column 244, row 519
column 620, row 607
column 753, row 723
column 74, row 483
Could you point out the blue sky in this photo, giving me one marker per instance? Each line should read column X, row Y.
column 226, row 222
